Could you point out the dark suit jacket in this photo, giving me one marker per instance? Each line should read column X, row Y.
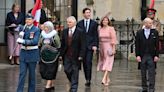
column 43, row 17
column 153, row 43
column 91, row 35
column 11, row 19
column 78, row 43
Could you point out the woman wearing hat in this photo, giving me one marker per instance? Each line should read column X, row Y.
column 50, row 44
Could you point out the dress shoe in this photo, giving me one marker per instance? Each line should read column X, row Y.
column 106, row 84
column 47, row 90
column 12, row 62
column 88, row 84
column 151, row 90
column 52, row 88
column 17, row 63
column 103, row 82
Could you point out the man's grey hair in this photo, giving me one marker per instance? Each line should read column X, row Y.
column 72, row 18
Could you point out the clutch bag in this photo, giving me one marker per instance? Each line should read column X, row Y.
column 109, row 52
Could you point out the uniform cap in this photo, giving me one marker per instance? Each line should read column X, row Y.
column 29, row 16
column 151, row 11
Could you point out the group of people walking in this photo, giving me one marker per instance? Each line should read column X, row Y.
column 79, row 41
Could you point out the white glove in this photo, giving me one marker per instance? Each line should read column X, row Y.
column 21, row 34
column 20, row 40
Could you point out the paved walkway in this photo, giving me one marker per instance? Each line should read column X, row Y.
column 124, row 78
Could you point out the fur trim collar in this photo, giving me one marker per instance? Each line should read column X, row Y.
column 48, row 35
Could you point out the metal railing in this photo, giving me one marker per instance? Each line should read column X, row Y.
column 126, row 32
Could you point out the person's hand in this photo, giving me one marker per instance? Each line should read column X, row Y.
column 94, row 48
column 138, row 59
column 156, row 59
column 60, row 58
column 80, row 58
column 21, row 34
column 13, row 25
column 20, row 41
column 113, row 52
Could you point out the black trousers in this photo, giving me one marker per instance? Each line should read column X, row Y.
column 87, row 64
column 148, row 72
column 71, row 69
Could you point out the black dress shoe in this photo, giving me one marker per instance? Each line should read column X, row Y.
column 47, row 90
column 88, row 84
column 143, row 90
column 52, row 88
column 11, row 62
column 17, row 63
column 151, row 90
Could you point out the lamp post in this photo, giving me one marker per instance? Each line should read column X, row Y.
column 127, row 24
column 98, row 20
column 112, row 20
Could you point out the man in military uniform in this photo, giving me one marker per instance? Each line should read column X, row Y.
column 29, row 54
column 156, row 23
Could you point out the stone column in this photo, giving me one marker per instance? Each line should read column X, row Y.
column 29, row 5
column 123, row 9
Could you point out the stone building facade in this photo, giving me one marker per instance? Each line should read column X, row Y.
column 120, row 10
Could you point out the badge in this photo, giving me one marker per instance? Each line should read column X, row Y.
column 46, row 41
column 31, row 35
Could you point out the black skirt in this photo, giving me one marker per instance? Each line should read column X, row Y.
column 48, row 71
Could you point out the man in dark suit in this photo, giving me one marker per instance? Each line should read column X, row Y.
column 90, row 27
column 147, row 54
column 72, row 51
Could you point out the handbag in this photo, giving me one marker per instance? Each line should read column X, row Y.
column 110, row 52
column 49, row 54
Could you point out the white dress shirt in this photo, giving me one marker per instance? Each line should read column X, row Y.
column 147, row 33
column 88, row 22
column 72, row 30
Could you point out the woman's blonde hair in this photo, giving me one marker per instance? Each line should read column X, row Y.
column 14, row 5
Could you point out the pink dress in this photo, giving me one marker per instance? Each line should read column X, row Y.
column 106, row 38
column 12, row 44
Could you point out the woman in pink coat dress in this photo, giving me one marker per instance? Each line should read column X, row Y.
column 107, row 43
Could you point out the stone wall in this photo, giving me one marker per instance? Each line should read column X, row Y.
column 120, row 9
column 159, row 6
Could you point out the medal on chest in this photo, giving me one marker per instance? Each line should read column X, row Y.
column 31, row 35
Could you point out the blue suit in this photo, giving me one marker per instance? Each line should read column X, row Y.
column 29, row 59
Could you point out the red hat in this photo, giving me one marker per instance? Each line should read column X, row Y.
column 151, row 11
